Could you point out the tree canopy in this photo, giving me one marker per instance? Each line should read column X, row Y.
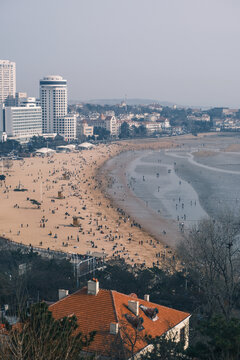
column 39, row 336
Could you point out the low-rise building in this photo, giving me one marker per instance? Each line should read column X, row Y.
column 83, row 129
column 120, row 320
column 165, row 123
column 153, row 127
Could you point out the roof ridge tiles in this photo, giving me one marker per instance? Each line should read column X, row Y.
column 114, row 305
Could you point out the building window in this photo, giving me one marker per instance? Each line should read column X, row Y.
column 183, row 335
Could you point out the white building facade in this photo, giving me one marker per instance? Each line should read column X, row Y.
column 67, row 127
column 112, row 125
column 53, row 99
column 7, row 80
column 22, row 122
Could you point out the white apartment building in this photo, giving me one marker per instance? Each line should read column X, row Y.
column 53, row 98
column 23, row 122
column 67, row 127
column 111, row 125
column 7, row 80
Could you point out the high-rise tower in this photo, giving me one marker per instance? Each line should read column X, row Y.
column 7, row 80
column 53, row 98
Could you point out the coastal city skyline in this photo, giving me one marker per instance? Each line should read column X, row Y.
column 23, row 116
column 155, row 50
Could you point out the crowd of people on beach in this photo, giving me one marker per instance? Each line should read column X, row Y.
column 68, row 186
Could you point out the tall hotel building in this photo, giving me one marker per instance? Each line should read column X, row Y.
column 7, row 80
column 53, row 98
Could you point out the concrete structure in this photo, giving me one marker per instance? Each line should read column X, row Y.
column 67, row 127
column 7, row 80
column 62, row 293
column 22, row 122
column 19, row 97
column 53, row 98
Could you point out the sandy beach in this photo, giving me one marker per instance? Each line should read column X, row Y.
column 68, row 205
column 64, row 186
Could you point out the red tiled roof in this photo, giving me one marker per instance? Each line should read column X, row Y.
column 167, row 317
column 98, row 312
column 94, row 313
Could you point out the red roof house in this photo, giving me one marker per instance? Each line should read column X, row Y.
column 115, row 316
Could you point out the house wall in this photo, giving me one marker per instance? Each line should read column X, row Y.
column 174, row 333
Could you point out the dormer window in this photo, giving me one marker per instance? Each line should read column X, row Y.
column 151, row 313
column 135, row 321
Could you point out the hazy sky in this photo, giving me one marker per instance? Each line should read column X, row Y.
column 183, row 51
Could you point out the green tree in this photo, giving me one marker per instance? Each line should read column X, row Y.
column 142, row 130
column 220, row 340
column 124, row 130
column 10, row 145
column 102, row 133
column 39, row 336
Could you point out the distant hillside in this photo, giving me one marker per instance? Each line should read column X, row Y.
column 118, row 101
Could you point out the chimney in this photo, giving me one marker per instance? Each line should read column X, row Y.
column 114, row 328
column 146, row 297
column 134, row 306
column 62, row 293
column 93, row 287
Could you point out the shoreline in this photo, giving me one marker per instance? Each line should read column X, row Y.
column 102, row 227
column 169, row 236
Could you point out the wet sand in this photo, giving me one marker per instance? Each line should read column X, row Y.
column 120, row 189
column 169, row 191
